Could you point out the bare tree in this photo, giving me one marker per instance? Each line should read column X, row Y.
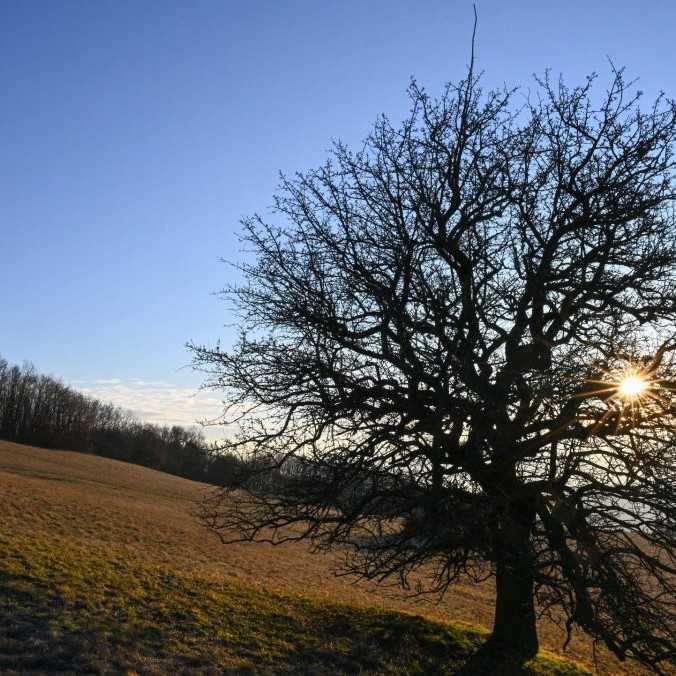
column 456, row 359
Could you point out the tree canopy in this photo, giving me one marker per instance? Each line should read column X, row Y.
column 457, row 359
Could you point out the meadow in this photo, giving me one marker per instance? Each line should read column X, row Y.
column 105, row 569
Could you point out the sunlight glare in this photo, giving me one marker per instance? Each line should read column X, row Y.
column 632, row 386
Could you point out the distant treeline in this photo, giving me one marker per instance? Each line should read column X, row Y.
column 40, row 410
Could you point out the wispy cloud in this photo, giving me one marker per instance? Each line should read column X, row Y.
column 158, row 402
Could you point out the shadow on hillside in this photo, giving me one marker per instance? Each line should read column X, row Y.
column 487, row 660
column 67, row 610
column 26, row 642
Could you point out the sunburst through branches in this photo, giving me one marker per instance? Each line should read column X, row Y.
column 628, row 393
column 633, row 386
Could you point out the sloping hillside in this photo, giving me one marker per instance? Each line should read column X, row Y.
column 104, row 567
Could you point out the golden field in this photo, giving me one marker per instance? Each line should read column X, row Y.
column 106, row 569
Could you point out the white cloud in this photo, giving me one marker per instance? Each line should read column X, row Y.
column 159, row 402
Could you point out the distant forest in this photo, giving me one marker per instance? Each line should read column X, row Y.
column 40, row 410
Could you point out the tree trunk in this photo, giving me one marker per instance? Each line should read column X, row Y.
column 514, row 629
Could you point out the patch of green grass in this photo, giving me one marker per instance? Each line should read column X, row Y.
column 70, row 608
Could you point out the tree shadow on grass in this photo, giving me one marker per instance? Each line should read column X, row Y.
column 490, row 659
column 26, row 612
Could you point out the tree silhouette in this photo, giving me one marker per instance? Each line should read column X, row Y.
column 456, row 359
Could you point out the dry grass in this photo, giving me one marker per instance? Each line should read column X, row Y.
column 79, row 514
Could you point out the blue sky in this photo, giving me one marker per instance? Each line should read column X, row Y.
column 135, row 135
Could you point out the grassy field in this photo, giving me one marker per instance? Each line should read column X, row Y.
column 105, row 569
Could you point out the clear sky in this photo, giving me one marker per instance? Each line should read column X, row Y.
column 134, row 135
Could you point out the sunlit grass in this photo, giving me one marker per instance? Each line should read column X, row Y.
column 69, row 606
column 104, row 569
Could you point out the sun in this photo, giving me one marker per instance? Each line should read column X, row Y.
column 632, row 386
column 630, row 394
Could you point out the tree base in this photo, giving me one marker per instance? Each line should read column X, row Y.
column 498, row 659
